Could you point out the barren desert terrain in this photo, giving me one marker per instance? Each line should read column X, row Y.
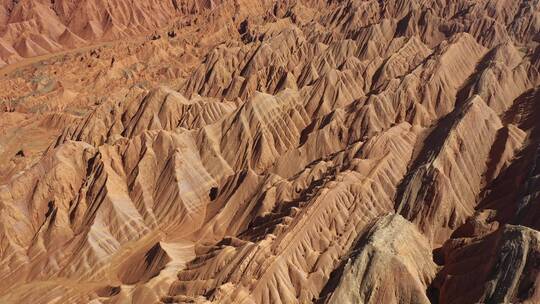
column 257, row 151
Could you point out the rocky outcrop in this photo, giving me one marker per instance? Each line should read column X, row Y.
column 500, row 267
column 391, row 243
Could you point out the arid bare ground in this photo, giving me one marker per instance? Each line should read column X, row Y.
column 269, row 151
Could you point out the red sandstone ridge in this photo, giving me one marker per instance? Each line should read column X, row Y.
column 30, row 28
column 242, row 151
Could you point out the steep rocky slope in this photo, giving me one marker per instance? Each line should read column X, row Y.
column 350, row 151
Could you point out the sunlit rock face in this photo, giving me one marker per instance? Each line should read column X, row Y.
column 269, row 152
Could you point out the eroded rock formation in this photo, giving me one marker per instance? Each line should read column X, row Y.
column 240, row 151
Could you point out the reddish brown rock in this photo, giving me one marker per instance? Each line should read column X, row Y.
column 252, row 151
